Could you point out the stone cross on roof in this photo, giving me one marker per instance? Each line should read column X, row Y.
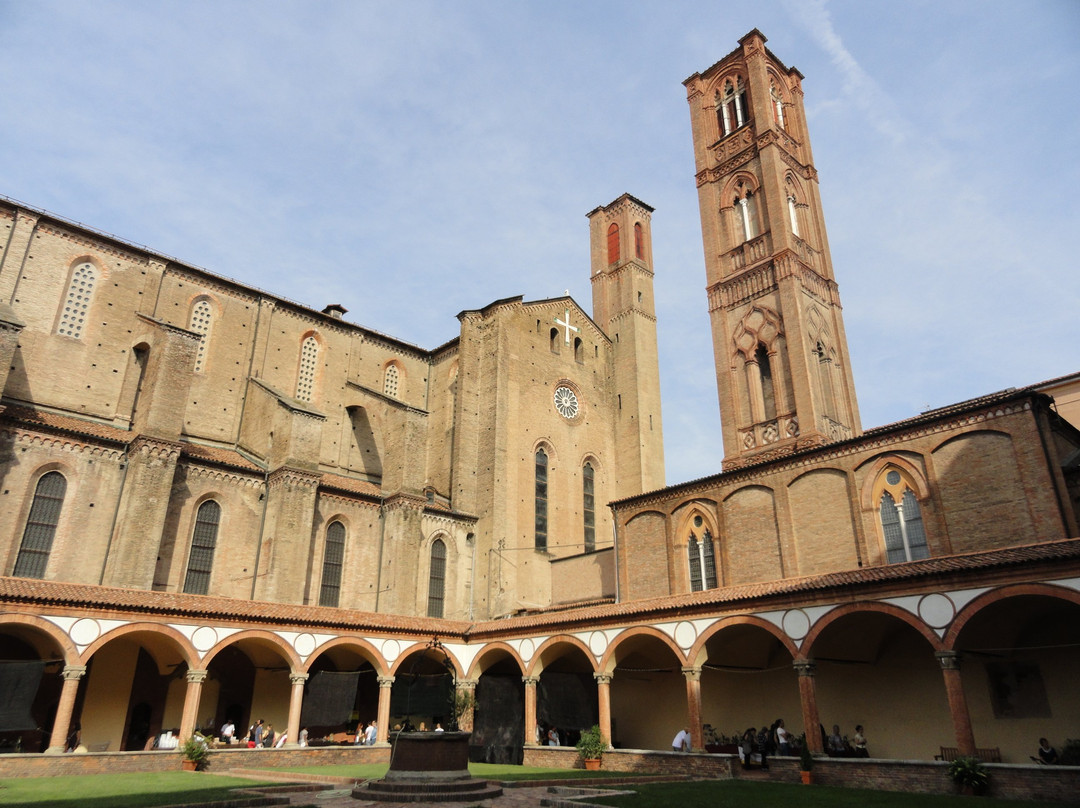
column 566, row 325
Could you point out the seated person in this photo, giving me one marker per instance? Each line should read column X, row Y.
column 837, row 747
column 1047, row 753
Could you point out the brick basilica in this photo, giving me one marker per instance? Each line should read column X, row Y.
column 212, row 499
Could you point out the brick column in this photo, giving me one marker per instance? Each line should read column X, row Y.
column 693, row 707
column 954, row 690
column 385, row 684
column 808, row 698
column 62, row 723
column 296, row 703
column 466, row 687
column 190, row 714
column 530, row 709
column 603, row 697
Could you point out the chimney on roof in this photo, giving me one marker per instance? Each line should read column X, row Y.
column 335, row 310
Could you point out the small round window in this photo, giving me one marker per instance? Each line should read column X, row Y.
column 893, row 477
column 566, row 402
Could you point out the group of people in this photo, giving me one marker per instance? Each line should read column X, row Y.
column 366, row 734
column 837, row 745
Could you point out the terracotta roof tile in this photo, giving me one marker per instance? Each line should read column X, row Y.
column 225, row 457
column 217, row 608
column 65, row 423
column 350, row 485
column 750, row 596
column 731, row 596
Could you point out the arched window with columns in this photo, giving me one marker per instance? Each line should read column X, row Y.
column 901, row 517
column 701, row 557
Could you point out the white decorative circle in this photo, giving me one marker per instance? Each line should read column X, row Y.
column 390, row 650
column 597, row 642
column 936, row 610
column 85, row 631
column 304, row 644
column 685, row 634
column 204, row 639
column 566, row 402
column 526, row 649
column 796, row 624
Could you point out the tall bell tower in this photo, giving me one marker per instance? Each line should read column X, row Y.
column 782, row 365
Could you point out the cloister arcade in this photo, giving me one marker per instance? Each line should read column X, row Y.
column 918, row 672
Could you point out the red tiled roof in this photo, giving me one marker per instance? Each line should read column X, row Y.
column 731, row 596
column 350, row 485
column 65, row 423
column 225, row 457
column 31, row 590
column 863, row 582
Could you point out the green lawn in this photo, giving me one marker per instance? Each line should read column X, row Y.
column 170, row 788
column 118, row 790
column 743, row 794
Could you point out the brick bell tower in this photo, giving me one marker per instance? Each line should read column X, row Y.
column 620, row 247
column 782, row 365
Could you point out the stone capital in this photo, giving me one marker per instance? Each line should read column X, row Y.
column 75, row 672
column 692, row 673
column 605, row 678
column 531, row 681
column 948, row 660
column 467, row 684
column 804, row 667
column 196, row 677
column 298, row 678
column 386, row 681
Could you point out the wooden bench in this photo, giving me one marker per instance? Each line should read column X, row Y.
column 984, row 754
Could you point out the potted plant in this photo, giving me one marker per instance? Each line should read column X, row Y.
column 193, row 752
column 969, row 774
column 591, row 747
column 806, row 764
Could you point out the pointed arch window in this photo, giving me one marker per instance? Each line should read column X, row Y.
column 639, row 240
column 77, row 301
column 731, row 106
column 588, row 490
column 305, row 380
column 437, row 580
column 333, row 558
column 777, row 105
column 901, row 519
column 390, row 381
column 768, row 391
column 702, row 561
column 541, row 500
column 200, row 323
column 746, row 207
column 40, row 530
column 203, row 544
column 612, row 243
column 901, row 522
column 793, row 215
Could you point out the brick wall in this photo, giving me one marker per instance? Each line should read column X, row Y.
column 220, row 760
column 1049, row 783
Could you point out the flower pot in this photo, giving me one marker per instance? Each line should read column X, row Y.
column 807, row 778
column 592, row 764
column 189, row 765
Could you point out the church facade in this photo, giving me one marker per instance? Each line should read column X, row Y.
column 214, row 500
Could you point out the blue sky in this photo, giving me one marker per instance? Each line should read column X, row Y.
column 410, row 160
